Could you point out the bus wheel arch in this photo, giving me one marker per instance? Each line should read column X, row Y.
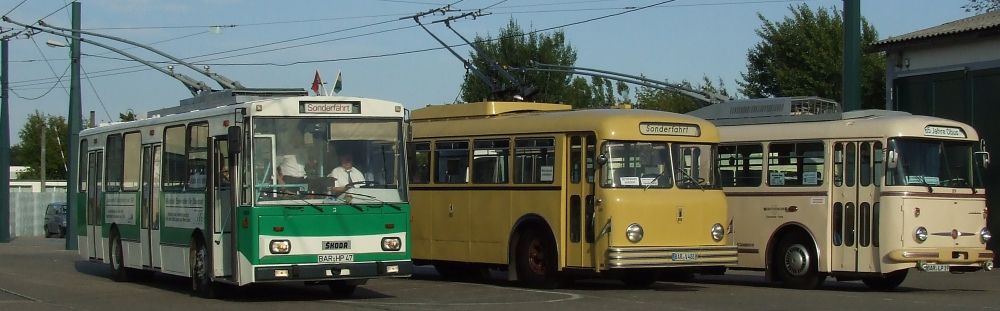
column 533, row 253
column 793, row 258
column 200, row 265
column 116, row 255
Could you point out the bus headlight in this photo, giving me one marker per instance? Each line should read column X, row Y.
column 391, row 244
column 920, row 234
column 280, row 246
column 718, row 232
column 985, row 235
column 634, row 233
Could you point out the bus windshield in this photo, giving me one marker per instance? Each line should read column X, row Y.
column 933, row 163
column 304, row 160
column 658, row 165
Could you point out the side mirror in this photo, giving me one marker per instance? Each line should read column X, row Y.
column 235, row 139
column 984, row 158
column 891, row 159
column 602, row 159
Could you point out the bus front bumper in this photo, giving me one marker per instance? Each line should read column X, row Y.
column 944, row 256
column 671, row 257
column 339, row 271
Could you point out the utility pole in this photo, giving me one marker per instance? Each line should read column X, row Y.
column 4, row 145
column 74, row 120
column 852, row 56
column 42, row 170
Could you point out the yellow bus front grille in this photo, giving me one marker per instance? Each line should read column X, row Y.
column 669, row 257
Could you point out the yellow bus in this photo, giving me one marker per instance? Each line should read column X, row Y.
column 550, row 194
column 816, row 192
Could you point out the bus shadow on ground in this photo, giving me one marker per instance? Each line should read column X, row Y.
column 831, row 284
column 499, row 278
column 261, row 292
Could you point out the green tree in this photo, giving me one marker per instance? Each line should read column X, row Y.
column 28, row 151
column 982, row 6
column 656, row 99
column 514, row 47
column 127, row 116
column 803, row 56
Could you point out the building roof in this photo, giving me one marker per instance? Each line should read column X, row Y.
column 986, row 23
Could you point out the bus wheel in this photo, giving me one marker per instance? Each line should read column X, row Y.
column 796, row 263
column 341, row 289
column 117, row 255
column 201, row 277
column 887, row 282
column 640, row 278
column 536, row 261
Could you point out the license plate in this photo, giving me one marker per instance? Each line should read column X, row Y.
column 938, row 268
column 684, row 256
column 335, row 258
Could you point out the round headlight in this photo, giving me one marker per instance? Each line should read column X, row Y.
column 634, row 233
column 985, row 235
column 920, row 234
column 718, row 232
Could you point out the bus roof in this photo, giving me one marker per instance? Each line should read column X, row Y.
column 481, row 110
column 619, row 124
column 854, row 125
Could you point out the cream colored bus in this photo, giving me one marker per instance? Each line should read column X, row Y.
column 549, row 194
column 816, row 192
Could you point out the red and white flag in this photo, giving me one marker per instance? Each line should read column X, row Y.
column 317, row 83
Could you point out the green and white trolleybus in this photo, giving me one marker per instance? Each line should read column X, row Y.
column 232, row 187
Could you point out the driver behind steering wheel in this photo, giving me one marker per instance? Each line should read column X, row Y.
column 346, row 175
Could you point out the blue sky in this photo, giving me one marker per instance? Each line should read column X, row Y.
column 680, row 40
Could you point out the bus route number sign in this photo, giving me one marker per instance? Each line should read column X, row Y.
column 335, row 258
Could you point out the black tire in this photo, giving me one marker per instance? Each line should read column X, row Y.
column 201, row 271
column 887, row 282
column 536, row 260
column 795, row 263
column 640, row 278
column 341, row 289
column 62, row 232
column 116, row 255
column 47, row 233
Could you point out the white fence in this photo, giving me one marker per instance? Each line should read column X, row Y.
column 27, row 211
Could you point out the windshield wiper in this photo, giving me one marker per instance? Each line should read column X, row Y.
column 691, row 179
column 300, row 199
column 373, row 198
column 924, row 182
column 650, row 184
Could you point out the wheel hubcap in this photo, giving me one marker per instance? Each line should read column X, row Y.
column 199, row 264
column 536, row 256
column 797, row 260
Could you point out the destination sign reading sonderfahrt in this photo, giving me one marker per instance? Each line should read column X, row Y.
column 672, row 129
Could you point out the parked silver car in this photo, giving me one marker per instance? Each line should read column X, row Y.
column 55, row 220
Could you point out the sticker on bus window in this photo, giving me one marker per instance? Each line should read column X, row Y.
column 629, row 181
column 545, row 173
column 648, row 181
column 776, row 179
column 810, row 178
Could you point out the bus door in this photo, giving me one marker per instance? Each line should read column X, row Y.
column 853, row 194
column 149, row 206
column 222, row 207
column 580, row 202
column 93, row 217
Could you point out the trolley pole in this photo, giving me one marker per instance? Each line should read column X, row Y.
column 4, row 145
column 73, row 122
column 852, row 55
